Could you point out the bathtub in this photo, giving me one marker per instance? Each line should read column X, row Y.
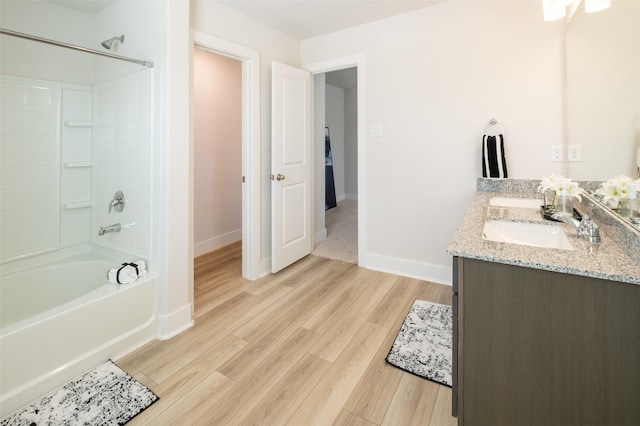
column 60, row 320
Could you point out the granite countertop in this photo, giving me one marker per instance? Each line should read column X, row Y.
column 607, row 260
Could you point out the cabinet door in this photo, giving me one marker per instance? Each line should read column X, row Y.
column 544, row 348
column 455, row 377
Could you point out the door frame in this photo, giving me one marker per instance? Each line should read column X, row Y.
column 251, row 144
column 335, row 64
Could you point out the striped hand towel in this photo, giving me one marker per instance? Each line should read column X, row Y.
column 494, row 163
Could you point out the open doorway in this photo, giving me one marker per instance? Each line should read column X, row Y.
column 217, row 165
column 249, row 177
column 340, row 239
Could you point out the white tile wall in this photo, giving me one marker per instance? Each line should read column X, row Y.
column 29, row 167
column 64, row 151
column 76, row 165
column 122, row 154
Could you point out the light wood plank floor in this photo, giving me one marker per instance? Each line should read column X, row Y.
column 305, row 346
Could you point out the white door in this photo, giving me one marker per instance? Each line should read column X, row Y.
column 291, row 188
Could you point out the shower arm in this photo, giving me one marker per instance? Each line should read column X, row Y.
column 147, row 64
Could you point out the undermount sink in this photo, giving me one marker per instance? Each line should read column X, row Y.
column 527, row 203
column 528, row 234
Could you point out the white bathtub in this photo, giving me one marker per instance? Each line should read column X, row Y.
column 59, row 321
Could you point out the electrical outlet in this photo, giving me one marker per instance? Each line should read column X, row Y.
column 573, row 153
column 556, row 153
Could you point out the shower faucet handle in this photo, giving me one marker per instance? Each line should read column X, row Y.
column 117, row 202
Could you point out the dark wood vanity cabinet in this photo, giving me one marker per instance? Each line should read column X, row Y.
column 535, row 347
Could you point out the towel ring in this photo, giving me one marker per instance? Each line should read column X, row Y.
column 493, row 127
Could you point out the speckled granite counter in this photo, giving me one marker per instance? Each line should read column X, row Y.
column 610, row 260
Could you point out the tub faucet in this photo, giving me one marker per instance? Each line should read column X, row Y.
column 586, row 227
column 111, row 228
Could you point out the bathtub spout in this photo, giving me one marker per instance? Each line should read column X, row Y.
column 111, row 228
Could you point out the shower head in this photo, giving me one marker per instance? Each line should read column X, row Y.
column 108, row 43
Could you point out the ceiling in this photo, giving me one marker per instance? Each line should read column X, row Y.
column 301, row 19
column 304, row 19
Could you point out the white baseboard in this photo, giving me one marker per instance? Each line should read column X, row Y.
column 174, row 323
column 340, row 197
column 265, row 266
column 214, row 243
column 409, row 268
column 320, row 236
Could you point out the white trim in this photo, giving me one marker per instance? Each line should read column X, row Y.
column 320, row 236
column 337, row 64
column 216, row 242
column 410, row 268
column 251, row 146
column 351, row 196
column 175, row 323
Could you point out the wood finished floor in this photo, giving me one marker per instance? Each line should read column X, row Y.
column 305, row 346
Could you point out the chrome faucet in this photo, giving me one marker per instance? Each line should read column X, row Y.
column 116, row 227
column 586, row 227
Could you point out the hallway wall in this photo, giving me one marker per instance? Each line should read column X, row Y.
column 342, row 120
column 217, row 151
column 334, row 120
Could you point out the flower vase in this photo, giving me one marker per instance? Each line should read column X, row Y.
column 564, row 205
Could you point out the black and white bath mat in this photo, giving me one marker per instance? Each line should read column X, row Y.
column 423, row 345
column 104, row 396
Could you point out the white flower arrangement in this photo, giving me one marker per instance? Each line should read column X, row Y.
column 561, row 185
column 615, row 190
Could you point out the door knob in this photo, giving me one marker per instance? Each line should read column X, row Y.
column 279, row 177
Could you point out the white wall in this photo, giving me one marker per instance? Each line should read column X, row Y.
column 433, row 78
column 335, row 120
column 319, row 101
column 342, row 120
column 76, row 183
column 351, row 143
column 121, row 162
column 217, row 134
column 28, row 59
column 30, row 166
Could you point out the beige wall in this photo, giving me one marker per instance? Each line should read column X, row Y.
column 217, row 133
column 603, row 91
column 335, row 120
column 433, row 78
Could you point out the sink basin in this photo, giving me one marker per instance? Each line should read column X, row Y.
column 528, row 234
column 527, row 203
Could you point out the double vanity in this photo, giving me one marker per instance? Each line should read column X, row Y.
column 546, row 323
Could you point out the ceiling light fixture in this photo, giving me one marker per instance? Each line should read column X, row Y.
column 557, row 9
column 596, row 5
column 554, row 9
